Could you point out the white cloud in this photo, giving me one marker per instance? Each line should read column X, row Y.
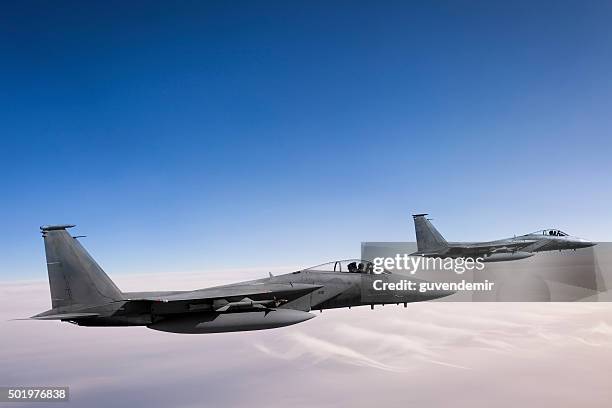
column 429, row 353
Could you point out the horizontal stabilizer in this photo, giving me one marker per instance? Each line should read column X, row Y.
column 64, row 316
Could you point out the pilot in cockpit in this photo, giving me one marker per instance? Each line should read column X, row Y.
column 352, row 267
column 360, row 268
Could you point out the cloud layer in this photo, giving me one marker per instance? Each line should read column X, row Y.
column 463, row 354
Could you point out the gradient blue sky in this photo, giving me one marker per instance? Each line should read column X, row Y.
column 195, row 135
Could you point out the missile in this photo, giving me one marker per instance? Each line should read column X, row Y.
column 246, row 303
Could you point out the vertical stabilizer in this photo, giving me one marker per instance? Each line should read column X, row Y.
column 74, row 276
column 429, row 240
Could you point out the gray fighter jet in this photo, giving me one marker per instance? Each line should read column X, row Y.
column 430, row 243
column 81, row 293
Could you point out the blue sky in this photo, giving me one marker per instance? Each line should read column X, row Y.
column 201, row 135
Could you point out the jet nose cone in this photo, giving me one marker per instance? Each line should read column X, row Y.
column 583, row 243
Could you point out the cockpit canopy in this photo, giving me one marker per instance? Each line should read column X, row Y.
column 348, row 266
column 551, row 233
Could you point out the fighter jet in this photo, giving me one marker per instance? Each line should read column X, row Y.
column 430, row 243
column 82, row 294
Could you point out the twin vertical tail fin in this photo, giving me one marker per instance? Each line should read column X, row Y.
column 75, row 278
column 429, row 240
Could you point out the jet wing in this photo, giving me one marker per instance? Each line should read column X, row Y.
column 255, row 290
column 484, row 246
column 535, row 246
column 478, row 248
